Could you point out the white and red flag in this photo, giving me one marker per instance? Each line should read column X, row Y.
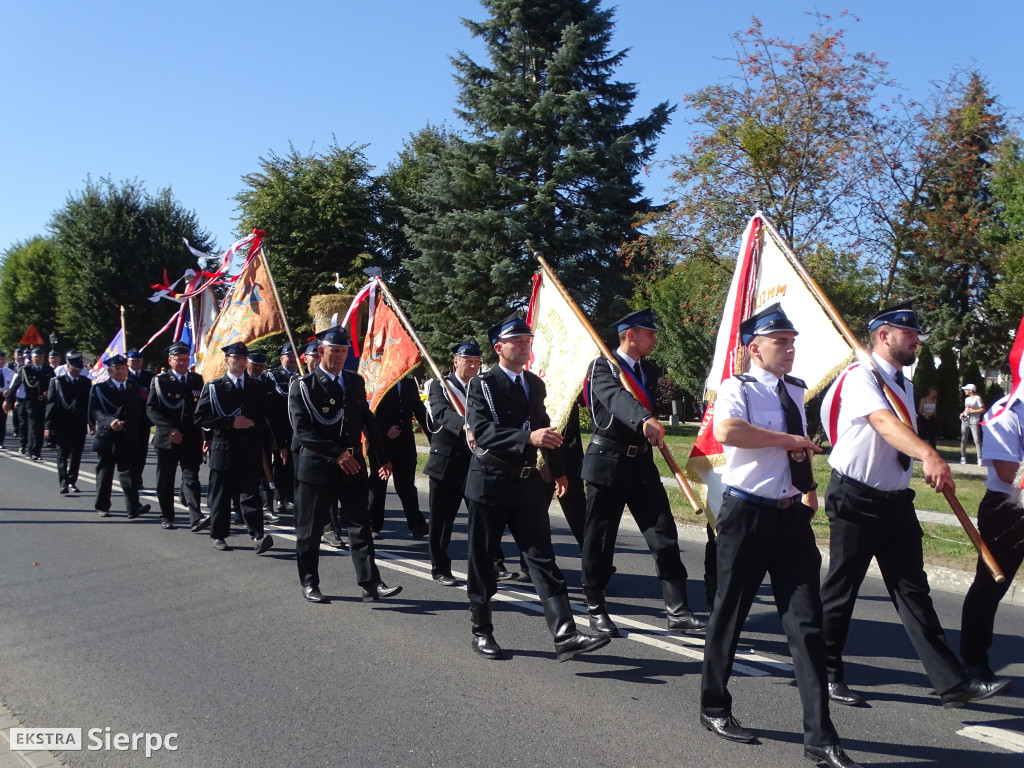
column 764, row 274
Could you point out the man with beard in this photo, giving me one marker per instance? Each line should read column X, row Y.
column 67, row 419
column 870, row 507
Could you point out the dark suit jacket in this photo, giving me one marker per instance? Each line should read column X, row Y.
column 220, row 402
column 616, row 415
column 172, row 405
column 36, row 383
column 144, row 378
column 326, row 423
column 67, row 405
column 278, row 380
column 396, row 409
column 449, row 451
column 501, row 420
column 106, row 403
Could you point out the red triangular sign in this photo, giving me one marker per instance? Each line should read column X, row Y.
column 32, row 337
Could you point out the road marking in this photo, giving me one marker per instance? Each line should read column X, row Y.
column 1011, row 741
column 642, row 632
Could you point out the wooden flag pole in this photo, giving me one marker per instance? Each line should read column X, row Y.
column 124, row 334
column 280, row 307
column 419, row 345
column 865, row 357
column 669, row 458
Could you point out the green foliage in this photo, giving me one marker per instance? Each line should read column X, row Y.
column 548, row 159
column 851, row 287
column 926, row 375
column 951, row 399
column 27, row 292
column 992, row 393
column 113, row 242
column 319, row 215
column 1007, row 187
column 952, row 231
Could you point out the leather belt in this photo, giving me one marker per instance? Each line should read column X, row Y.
column 630, row 450
column 762, row 501
column 867, row 490
column 521, row 471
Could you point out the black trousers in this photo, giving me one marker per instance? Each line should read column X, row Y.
column 70, row 443
column 313, row 505
column 167, row 462
column 17, row 417
column 284, row 480
column 403, row 474
column 755, row 540
column 225, row 484
column 531, row 530
column 444, row 502
column 105, row 481
column 35, row 417
column 648, row 503
column 139, row 454
column 867, row 524
column 574, row 506
column 3, row 426
column 1001, row 525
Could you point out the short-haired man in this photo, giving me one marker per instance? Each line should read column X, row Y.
column 67, row 420
column 329, row 416
column 870, row 507
column 508, row 421
column 764, row 527
column 178, row 440
column 32, row 382
column 279, row 380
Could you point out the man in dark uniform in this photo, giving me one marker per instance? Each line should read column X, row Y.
column 329, row 415
column 178, row 441
column 620, row 471
column 257, row 368
column 143, row 378
column 870, row 508
column 35, row 379
column 448, row 462
column 394, row 419
column 232, row 409
column 67, row 420
column 279, row 380
column 764, row 526
column 506, row 416
column 115, row 413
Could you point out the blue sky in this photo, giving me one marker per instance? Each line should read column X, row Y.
column 190, row 94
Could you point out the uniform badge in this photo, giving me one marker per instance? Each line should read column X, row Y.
column 332, row 403
column 326, row 409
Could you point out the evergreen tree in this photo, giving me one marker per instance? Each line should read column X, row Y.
column 114, row 242
column 319, row 215
column 925, row 374
column 954, row 268
column 951, row 399
column 548, row 158
column 28, row 294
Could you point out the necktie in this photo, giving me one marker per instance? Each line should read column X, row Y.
column 901, row 382
column 799, row 468
column 636, row 373
column 521, row 386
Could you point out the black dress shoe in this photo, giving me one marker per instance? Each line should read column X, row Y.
column 263, row 543
column 419, row 532
column 313, row 595
column 201, row 524
column 687, row 625
column 74, row 488
column 270, row 517
column 333, row 540
column 487, row 647
column 832, row 756
column 973, row 690
column 102, row 513
column 63, row 489
column 602, row 623
column 377, row 535
column 139, row 512
column 728, row 728
column 446, row 581
column 840, row 694
column 504, row 575
column 221, row 546
column 379, row 590
column 167, row 525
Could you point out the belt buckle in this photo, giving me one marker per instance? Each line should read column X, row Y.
column 631, row 451
column 525, row 472
column 785, row 503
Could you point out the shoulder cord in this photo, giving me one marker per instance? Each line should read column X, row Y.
column 163, row 400
column 313, row 412
column 277, row 386
column 106, row 405
column 590, row 382
column 64, row 404
column 430, row 413
column 217, row 409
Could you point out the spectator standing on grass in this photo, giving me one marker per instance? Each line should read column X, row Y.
column 974, row 406
column 927, row 412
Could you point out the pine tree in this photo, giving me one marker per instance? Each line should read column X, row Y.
column 548, row 158
column 954, row 264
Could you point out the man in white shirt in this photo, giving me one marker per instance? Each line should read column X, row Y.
column 970, row 419
column 871, row 509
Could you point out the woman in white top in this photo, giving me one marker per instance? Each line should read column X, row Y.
column 974, row 406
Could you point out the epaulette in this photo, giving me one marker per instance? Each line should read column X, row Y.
column 745, row 377
column 795, row 381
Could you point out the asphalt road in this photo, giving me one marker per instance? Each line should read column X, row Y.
column 111, row 623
